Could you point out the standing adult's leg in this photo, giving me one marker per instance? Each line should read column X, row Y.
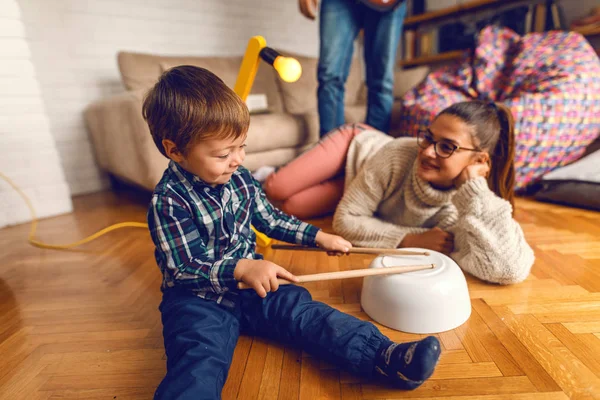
column 199, row 337
column 382, row 35
column 339, row 23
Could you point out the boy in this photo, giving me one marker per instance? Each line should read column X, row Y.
column 199, row 220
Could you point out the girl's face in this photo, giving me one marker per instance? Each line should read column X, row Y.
column 446, row 133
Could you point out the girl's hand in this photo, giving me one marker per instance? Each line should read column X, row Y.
column 471, row 172
column 434, row 239
column 335, row 245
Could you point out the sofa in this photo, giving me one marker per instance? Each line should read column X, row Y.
column 123, row 145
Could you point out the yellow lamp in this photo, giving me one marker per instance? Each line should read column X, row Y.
column 289, row 70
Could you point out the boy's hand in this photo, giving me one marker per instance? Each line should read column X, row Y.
column 261, row 275
column 335, row 245
column 434, row 239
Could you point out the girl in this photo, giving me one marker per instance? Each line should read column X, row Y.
column 431, row 192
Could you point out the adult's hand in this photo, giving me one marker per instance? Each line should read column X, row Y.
column 308, row 8
column 434, row 239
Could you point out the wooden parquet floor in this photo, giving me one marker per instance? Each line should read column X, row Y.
column 85, row 324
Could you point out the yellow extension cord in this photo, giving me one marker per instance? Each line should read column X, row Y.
column 34, row 222
column 261, row 240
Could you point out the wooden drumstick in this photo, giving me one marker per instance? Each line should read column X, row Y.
column 355, row 250
column 355, row 273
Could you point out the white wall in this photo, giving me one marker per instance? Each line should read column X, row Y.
column 74, row 44
column 28, row 154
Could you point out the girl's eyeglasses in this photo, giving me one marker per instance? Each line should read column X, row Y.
column 443, row 148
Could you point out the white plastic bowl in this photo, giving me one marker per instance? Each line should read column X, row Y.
column 428, row 301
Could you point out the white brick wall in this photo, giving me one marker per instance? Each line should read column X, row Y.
column 74, row 44
column 28, row 153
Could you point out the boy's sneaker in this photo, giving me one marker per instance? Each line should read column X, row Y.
column 408, row 365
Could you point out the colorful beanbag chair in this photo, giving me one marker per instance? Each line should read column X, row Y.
column 550, row 81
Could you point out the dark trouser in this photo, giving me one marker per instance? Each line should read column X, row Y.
column 200, row 336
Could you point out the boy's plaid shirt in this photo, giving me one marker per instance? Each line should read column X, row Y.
column 201, row 232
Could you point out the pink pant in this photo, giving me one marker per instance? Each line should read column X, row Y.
column 313, row 184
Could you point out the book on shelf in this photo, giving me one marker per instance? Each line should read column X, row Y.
column 427, row 43
column 548, row 16
column 556, row 18
column 540, row 18
column 409, row 45
column 529, row 19
column 419, row 43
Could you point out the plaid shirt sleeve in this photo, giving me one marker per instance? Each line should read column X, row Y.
column 183, row 253
column 277, row 224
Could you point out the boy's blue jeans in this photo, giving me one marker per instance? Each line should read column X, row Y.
column 340, row 22
column 200, row 336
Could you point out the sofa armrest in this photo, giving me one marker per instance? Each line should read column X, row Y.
column 122, row 141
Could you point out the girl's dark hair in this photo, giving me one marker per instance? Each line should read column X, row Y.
column 493, row 130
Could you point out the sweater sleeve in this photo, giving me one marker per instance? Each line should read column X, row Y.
column 488, row 242
column 355, row 217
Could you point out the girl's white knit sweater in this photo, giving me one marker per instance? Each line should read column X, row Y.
column 384, row 200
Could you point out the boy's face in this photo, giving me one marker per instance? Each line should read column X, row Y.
column 212, row 160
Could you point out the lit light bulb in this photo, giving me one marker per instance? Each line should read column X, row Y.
column 289, row 69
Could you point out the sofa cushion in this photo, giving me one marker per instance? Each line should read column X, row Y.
column 138, row 71
column 576, row 184
column 301, row 96
column 225, row 68
column 273, row 131
column 141, row 71
column 406, row 79
column 356, row 113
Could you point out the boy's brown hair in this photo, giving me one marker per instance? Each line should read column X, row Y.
column 189, row 104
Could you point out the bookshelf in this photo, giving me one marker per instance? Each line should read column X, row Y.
column 446, row 56
column 454, row 11
column 454, row 55
column 411, row 24
column 588, row 32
